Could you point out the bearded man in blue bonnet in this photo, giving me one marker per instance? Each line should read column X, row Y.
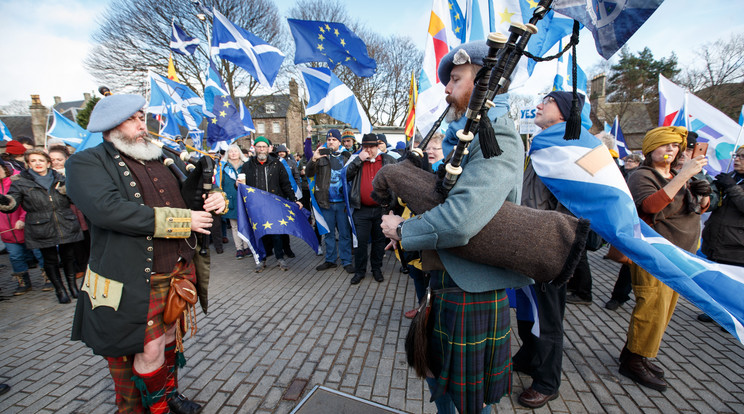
column 470, row 309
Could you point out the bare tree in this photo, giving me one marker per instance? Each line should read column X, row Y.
column 16, row 107
column 134, row 37
column 717, row 63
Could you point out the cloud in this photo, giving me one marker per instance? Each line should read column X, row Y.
column 50, row 41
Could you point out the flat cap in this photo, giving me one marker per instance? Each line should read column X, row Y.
column 471, row 52
column 112, row 110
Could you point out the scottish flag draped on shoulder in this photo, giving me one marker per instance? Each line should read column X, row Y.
column 261, row 213
column 71, row 133
column 611, row 23
column 329, row 95
column 181, row 43
column 584, row 178
column 333, row 43
column 245, row 49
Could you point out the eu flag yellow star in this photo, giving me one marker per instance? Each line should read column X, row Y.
column 214, row 120
column 320, row 47
column 254, row 226
column 321, row 37
column 335, row 31
column 327, row 27
column 290, row 218
column 343, row 43
column 226, row 104
column 286, row 205
column 251, row 190
column 267, row 225
column 245, row 199
column 322, row 30
column 283, row 222
column 291, row 213
column 532, row 3
column 506, row 16
column 223, row 113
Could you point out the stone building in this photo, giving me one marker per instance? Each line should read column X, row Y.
column 36, row 124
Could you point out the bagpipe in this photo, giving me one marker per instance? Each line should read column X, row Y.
column 556, row 239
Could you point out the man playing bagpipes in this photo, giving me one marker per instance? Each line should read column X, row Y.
column 469, row 309
column 143, row 240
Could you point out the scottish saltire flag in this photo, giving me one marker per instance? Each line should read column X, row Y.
column 563, row 81
column 320, row 222
column 180, row 42
column 213, row 88
column 296, row 188
column 197, row 137
column 550, row 30
column 226, row 124
column 617, row 132
column 246, row 50
column 330, row 96
column 607, row 127
column 184, row 103
column 245, row 117
column 261, row 213
column 169, row 131
column 333, row 43
column 711, row 125
column 5, row 132
column 446, row 31
column 611, row 23
column 584, row 178
column 70, row 132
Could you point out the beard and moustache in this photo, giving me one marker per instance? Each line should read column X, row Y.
column 458, row 106
column 142, row 151
column 261, row 156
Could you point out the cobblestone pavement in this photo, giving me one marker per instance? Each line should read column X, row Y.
column 265, row 330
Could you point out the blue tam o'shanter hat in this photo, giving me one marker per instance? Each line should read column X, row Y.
column 112, row 110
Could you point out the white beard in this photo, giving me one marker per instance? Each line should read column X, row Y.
column 145, row 151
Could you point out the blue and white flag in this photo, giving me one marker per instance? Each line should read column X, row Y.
column 330, row 96
column 226, row 124
column 741, row 116
column 245, row 116
column 261, row 213
column 71, row 133
column 184, row 103
column 5, row 132
column 181, row 43
column 617, row 132
column 169, row 131
column 584, row 178
column 213, row 88
column 320, row 222
column 607, row 128
column 611, row 23
column 245, row 49
column 296, row 188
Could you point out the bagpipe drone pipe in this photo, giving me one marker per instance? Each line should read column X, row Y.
column 559, row 238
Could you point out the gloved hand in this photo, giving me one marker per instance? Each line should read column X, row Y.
column 724, row 181
column 4, row 200
column 700, row 188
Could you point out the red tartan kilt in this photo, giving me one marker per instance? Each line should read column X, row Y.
column 159, row 286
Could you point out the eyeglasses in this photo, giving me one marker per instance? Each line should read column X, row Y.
column 548, row 99
column 738, row 156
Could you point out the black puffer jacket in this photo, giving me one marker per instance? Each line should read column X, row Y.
column 49, row 219
column 269, row 176
column 723, row 235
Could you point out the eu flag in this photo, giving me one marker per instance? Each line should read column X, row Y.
column 330, row 42
column 261, row 213
column 226, row 124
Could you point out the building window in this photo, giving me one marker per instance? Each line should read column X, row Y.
column 270, row 108
column 260, row 128
column 275, row 128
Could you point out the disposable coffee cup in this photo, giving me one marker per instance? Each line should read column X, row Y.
column 241, row 177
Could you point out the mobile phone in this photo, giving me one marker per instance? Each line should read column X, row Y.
column 700, row 149
column 325, row 151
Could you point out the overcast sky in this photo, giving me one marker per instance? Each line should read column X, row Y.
column 45, row 41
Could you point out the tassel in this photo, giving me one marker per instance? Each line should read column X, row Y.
column 180, row 360
column 573, row 123
column 488, row 142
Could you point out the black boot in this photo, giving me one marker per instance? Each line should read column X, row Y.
column 71, row 282
column 56, row 279
column 24, row 283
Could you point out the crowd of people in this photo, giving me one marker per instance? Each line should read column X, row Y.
column 133, row 229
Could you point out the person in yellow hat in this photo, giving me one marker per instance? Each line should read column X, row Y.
column 670, row 202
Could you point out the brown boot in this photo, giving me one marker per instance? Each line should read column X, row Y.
column 633, row 367
column 655, row 369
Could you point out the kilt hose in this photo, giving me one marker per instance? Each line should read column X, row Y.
column 469, row 345
column 136, row 391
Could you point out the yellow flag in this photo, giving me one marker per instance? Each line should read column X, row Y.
column 172, row 69
column 411, row 116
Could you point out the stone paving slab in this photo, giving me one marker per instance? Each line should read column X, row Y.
column 265, row 330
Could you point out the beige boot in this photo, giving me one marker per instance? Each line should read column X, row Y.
column 24, row 283
column 47, row 284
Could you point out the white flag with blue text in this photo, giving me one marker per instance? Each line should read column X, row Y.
column 584, row 178
column 330, row 96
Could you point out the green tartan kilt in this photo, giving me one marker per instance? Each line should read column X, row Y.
column 469, row 345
